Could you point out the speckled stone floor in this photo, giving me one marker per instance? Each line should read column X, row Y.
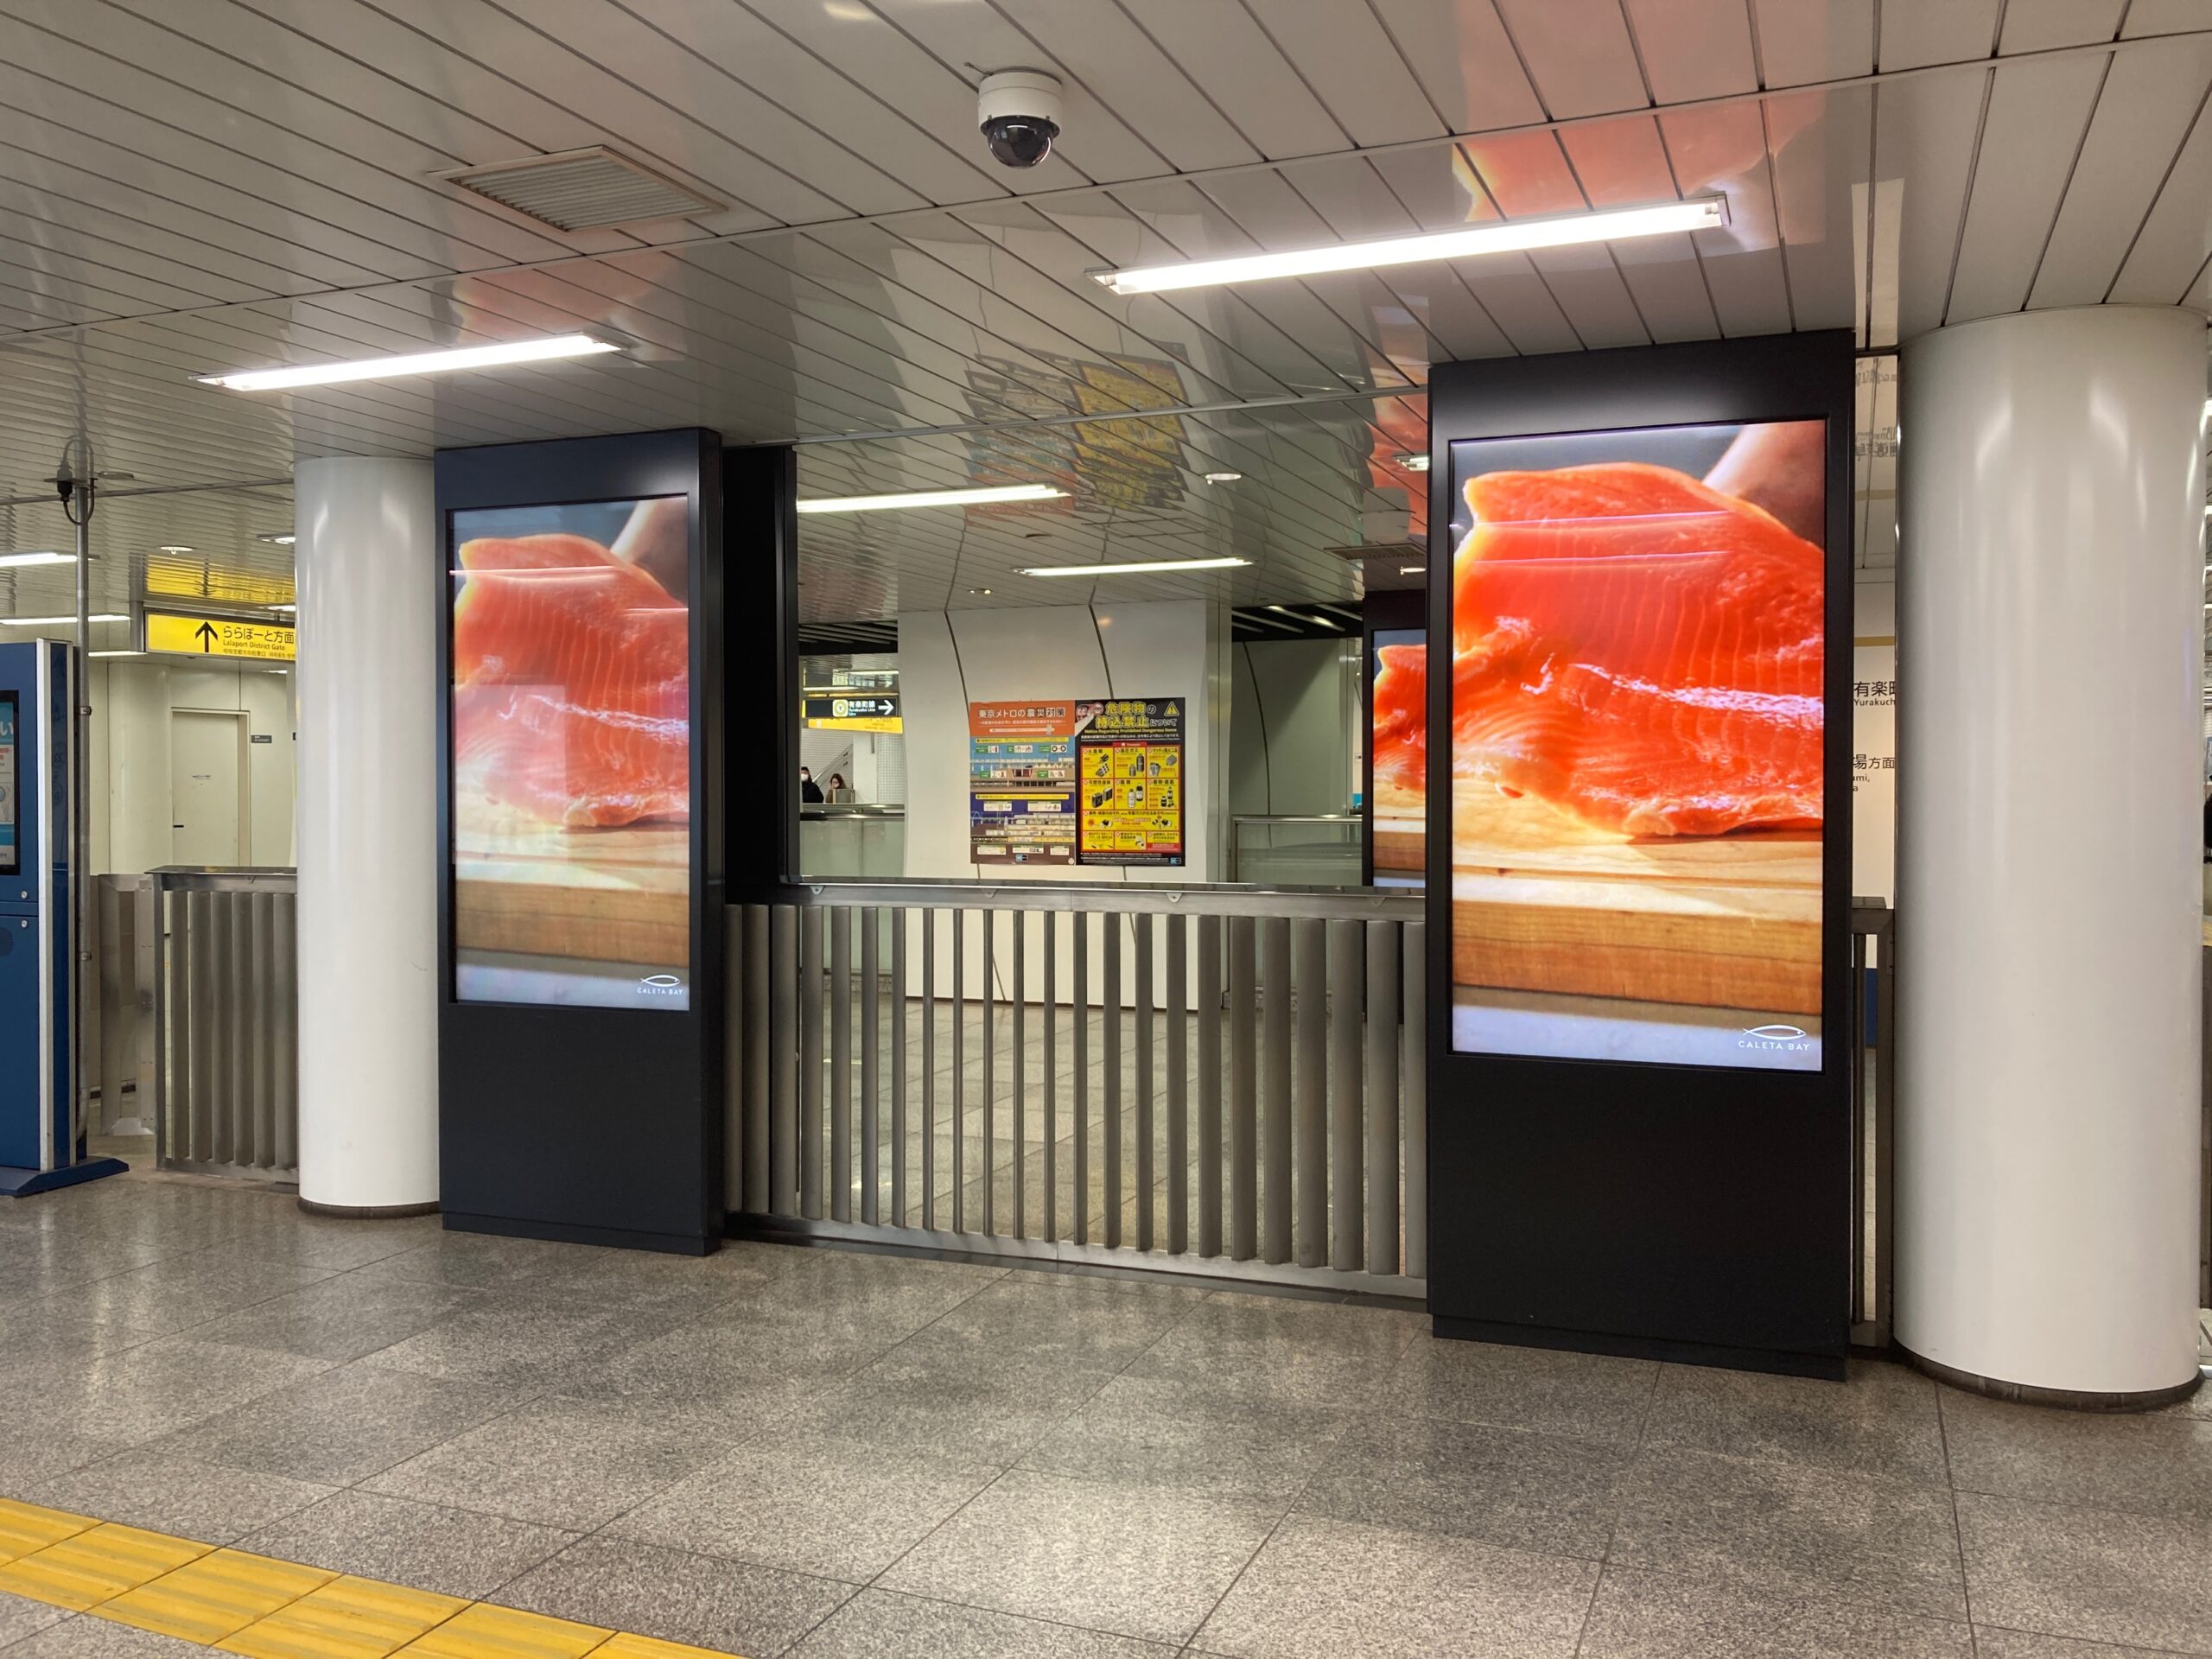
column 826, row 1453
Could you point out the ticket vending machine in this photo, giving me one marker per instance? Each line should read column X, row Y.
column 39, row 1146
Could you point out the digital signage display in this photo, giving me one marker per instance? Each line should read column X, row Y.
column 10, row 859
column 1397, row 748
column 572, row 793
column 1636, row 747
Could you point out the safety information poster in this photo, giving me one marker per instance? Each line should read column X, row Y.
column 8, row 854
column 1130, row 762
column 1021, row 784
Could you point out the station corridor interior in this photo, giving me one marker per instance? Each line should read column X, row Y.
column 777, row 1450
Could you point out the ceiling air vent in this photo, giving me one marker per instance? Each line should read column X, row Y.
column 582, row 189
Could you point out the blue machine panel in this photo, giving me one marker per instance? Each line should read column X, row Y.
column 35, row 1014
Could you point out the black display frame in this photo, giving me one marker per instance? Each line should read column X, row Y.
column 1687, row 1212
column 592, row 1125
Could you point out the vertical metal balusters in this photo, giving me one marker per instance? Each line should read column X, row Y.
column 1276, row 1197
column 871, row 1051
column 1178, row 1015
column 840, row 921
column 1146, row 1174
column 1347, row 1213
column 735, row 990
column 783, row 1018
column 284, row 1032
column 898, row 1066
column 1209, row 948
column 1049, row 1011
column 1020, row 985
column 1243, row 1090
column 200, row 1033
column 990, row 918
column 267, row 990
column 929, row 1070
column 1080, row 963
column 1109, row 1055
column 1412, row 1073
column 1310, row 1088
column 810, row 1063
column 1381, row 1097
column 959, row 1070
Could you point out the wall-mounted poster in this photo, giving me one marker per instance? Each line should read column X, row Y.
column 1021, row 782
column 1874, row 769
column 1129, row 769
column 572, row 754
column 1397, row 700
column 1638, row 636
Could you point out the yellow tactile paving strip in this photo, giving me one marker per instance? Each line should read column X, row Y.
column 264, row 1609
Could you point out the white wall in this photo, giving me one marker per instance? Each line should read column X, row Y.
column 131, row 702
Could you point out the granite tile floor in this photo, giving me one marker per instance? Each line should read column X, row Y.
column 831, row 1453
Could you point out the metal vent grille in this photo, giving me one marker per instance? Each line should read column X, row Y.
column 582, row 189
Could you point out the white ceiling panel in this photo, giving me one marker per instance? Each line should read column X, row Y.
column 1693, row 49
column 1354, row 67
column 1224, row 50
column 1579, row 54
column 1913, row 34
column 2169, row 252
column 2039, row 25
column 1925, row 133
column 1799, row 44
column 1722, row 150
column 2148, row 18
column 1623, row 164
column 2037, row 113
column 2146, row 106
column 1459, row 52
column 1820, row 147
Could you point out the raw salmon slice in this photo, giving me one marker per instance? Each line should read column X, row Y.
column 572, row 685
column 1639, row 650
column 1400, row 717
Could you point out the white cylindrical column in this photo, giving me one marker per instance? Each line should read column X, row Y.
column 368, row 969
column 2049, row 637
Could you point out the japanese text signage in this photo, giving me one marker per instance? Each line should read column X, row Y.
column 1129, row 767
column 220, row 636
column 1021, row 782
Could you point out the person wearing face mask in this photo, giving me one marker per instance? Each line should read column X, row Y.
column 809, row 792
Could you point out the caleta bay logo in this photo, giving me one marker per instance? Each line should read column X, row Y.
column 1774, row 1037
column 661, row 985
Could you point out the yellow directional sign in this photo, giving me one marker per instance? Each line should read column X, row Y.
column 219, row 636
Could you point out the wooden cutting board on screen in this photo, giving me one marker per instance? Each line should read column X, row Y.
column 605, row 896
column 1543, row 903
column 1401, row 831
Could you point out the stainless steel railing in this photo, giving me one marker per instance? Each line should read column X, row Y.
column 1297, row 849
column 1221, row 1081
column 226, row 1019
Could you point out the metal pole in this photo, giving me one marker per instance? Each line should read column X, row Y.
column 81, row 837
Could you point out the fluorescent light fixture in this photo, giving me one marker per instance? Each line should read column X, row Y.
column 276, row 537
column 1223, row 477
column 1413, row 570
column 1413, row 463
column 1136, row 568
column 280, row 608
column 391, row 368
column 118, row 653
column 17, row 560
column 931, row 498
column 56, row 621
column 172, row 547
column 1506, row 236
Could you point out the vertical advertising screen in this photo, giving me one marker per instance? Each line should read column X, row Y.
column 1397, row 739
column 1636, row 643
column 571, row 678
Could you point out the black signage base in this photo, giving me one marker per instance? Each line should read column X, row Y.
column 594, row 1124
column 1687, row 1211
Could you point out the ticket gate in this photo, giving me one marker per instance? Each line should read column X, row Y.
column 39, row 1145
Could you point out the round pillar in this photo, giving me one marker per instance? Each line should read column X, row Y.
column 367, row 814
column 2051, row 498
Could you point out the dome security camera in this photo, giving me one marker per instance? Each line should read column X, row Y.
column 1018, row 110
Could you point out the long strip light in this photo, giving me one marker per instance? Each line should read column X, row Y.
column 16, row 560
column 390, row 368
column 931, row 498
column 1137, row 568
column 1505, row 236
column 56, row 621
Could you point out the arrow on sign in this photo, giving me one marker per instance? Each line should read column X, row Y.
column 205, row 633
